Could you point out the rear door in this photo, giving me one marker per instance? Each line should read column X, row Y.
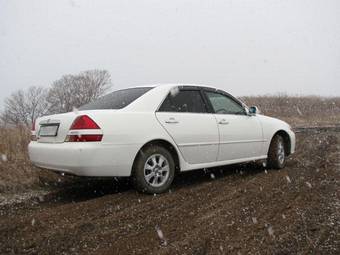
column 185, row 117
column 240, row 134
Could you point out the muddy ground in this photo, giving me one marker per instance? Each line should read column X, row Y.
column 243, row 209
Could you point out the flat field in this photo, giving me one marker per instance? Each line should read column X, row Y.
column 240, row 209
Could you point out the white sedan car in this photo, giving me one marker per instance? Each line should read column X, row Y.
column 151, row 133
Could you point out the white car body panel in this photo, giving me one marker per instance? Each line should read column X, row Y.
column 241, row 137
column 270, row 126
column 199, row 140
column 196, row 135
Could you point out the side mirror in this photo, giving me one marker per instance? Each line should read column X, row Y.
column 253, row 110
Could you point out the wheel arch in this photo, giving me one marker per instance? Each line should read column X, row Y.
column 167, row 145
column 286, row 138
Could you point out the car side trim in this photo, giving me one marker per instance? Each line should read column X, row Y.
column 229, row 142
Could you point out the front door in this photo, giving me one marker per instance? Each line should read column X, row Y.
column 240, row 134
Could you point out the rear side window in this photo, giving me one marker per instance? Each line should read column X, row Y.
column 117, row 99
column 184, row 101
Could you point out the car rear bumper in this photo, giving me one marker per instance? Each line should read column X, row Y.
column 84, row 159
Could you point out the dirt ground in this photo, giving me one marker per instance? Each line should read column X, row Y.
column 242, row 209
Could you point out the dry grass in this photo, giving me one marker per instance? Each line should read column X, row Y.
column 17, row 173
column 297, row 110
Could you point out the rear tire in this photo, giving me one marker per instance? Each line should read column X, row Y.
column 153, row 170
column 277, row 153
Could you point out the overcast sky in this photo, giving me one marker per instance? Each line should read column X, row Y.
column 246, row 47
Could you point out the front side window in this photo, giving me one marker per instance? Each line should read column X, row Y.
column 184, row 101
column 223, row 104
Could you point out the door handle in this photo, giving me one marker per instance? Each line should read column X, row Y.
column 223, row 122
column 171, row 121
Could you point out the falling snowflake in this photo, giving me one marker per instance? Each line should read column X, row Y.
column 270, row 230
column 309, row 185
column 33, row 222
column 4, row 157
column 298, row 110
column 265, row 171
column 161, row 235
column 75, row 110
column 283, row 216
column 288, row 179
column 254, row 220
column 174, row 91
column 139, row 200
column 212, row 176
column 73, row 3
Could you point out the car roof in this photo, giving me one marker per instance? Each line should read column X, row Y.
column 169, row 85
column 151, row 100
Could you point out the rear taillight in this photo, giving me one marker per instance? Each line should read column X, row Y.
column 33, row 135
column 84, row 129
column 84, row 122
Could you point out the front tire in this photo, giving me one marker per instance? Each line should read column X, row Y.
column 154, row 170
column 277, row 153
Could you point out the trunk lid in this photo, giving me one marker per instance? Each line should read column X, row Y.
column 54, row 128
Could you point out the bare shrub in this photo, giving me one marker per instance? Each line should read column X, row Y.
column 23, row 107
column 75, row 90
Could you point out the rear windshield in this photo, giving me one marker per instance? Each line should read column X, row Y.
column 117, row 99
